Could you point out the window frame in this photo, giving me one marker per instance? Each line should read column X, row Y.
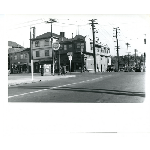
column 70, row 46
column 25, row 55
column 21, row 56
column 15, row 57
column 37, row 52
column 37, row 43
column 65, row 47
column 46, row 43
column 46, row 52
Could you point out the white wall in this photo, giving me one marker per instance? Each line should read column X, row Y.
column 42, row 49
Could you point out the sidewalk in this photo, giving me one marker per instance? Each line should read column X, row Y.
column 17, row 79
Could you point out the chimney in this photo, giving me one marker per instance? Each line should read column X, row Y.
column 62, row 34
column 72, row 35
column 34, row 31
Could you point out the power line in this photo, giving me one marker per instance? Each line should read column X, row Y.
column 29, row 21
column 26, row 26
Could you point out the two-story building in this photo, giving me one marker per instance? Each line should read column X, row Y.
column 42, row 50
column 19, row 60
column 77, row 47
column 18, row 57
column 103, row 58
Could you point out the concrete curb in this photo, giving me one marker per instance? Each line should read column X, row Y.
column 40, row 80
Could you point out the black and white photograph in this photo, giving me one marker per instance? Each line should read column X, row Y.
column 76, row 75
column 77, row 58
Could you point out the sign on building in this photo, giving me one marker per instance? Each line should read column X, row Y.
column 56, row 45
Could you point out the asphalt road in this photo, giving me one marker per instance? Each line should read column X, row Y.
column 114, row 87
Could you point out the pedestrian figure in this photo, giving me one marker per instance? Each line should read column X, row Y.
column 63, row 71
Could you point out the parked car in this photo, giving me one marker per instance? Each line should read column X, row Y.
column 138, row 69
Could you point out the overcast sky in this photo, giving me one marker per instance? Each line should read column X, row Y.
column 133, row 29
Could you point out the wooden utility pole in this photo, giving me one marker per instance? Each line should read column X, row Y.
column 128, row 59
column 116, row 35
column 31, row 53
column 135, row 56
column 52, row 21
column 93, row 27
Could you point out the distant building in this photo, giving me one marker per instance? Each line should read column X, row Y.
column 18, row 57
column 103, row 58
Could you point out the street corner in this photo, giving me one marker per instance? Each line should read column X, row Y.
column 20, row 83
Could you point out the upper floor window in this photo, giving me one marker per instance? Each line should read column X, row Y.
column 25, row 55
column 61, row 46
column 21, row 56
column 46, row 52
column 82, row 45
column 15, row 57
column 91, row 46
column 108, row 61
column 70, row 45
column 78, row 45
column 65, row 47
column 37, row 54
column 46, row 42
column 37, row 43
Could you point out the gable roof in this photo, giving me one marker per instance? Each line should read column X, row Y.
column 79, row 37
column 14, row 44
column 46, row 35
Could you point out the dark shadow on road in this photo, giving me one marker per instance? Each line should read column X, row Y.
column 106, row 91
